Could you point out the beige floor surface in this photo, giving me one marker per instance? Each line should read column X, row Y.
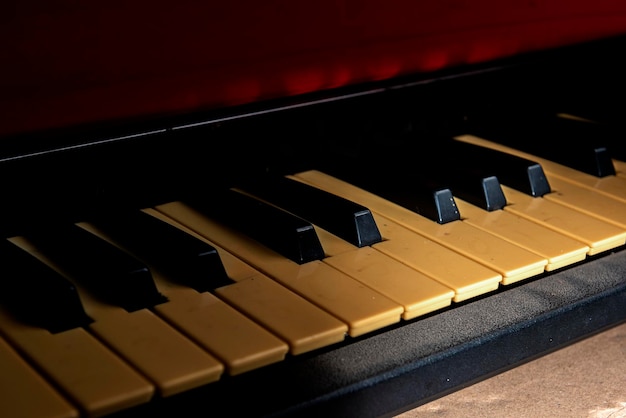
column 586, row 380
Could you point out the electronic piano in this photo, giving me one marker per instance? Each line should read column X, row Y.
column 278, row 209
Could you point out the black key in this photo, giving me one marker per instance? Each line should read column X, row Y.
column 182, row 257
column 412, row 169
column 518, row 173
column 368, row 172
column 606, row 130
column 348, row 220
column 591, row 151
column 37, row 294
column 482, row 191
column 493, row 196
column 110, row 273
column 445, row 162
column 440, row 207
column 283, row 232
column 572, row 143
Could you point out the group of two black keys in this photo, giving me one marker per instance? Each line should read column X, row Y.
column 423, row 173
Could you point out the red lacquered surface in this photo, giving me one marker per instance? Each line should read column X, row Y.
column 66, row 62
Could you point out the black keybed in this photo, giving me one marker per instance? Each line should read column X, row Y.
column 73, row 174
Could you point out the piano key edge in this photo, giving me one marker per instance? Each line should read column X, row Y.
column 403, row 366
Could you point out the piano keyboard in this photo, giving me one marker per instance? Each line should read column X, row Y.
column 253, row 301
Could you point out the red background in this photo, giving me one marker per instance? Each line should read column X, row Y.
column 71, row 61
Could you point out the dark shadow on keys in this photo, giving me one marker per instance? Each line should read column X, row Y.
column 36, row 294
column 283, row 232
column 422, row 172
column 524, row 175
column 111, row 274
column 341, row 217
column 181, row 257
column 602, row 120
column 577, row 144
